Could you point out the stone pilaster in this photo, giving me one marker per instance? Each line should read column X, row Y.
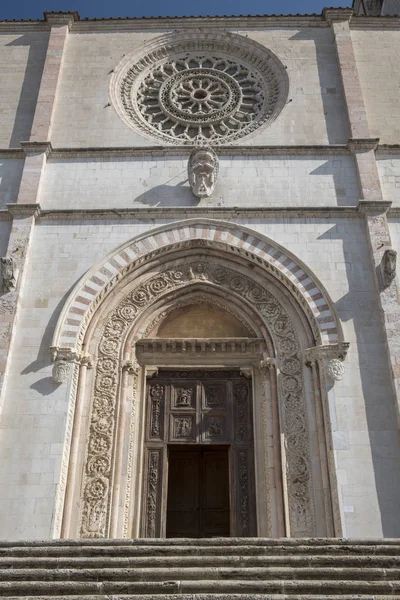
column 23, row 216
column 25, row 211
column 42, row 121
column 339, row 20
column 371, row 204
column 384, row 267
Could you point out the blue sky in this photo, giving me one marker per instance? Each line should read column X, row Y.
column 33, row 9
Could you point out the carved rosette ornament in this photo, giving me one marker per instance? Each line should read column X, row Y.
column 335, row 369
column 199, row 89
column 202, row 171
column 330, row 358
column 95, row 502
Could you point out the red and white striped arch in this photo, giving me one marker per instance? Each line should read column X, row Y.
column 99, row 279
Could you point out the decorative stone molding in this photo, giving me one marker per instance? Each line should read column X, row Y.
column 388, row 266
column 188, row 234
column 369, row 207
column 63, row 358
column 362, row 145
column 203, row 171
column 9, row 273
column 31, row 148
column 183, row 151
column 330, row 357
column 22, row 211
column 96, row 487
column 337, row 14
column 61, row 18
column 201, row 346
column 199, row 89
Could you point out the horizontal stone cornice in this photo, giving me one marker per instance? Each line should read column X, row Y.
column 291, row 212
column 337, row 14
column 168, row 23
column 362, row 144
column 21, row 211
column 222, row 151
column 30, row 148
column 374, row 206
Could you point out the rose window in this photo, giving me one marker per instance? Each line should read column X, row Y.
column 214, row 92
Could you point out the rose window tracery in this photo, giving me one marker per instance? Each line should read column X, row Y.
column 201, row 92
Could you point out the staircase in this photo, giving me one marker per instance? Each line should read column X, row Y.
column 204, row 569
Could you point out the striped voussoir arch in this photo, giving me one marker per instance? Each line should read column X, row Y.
column 94, row 282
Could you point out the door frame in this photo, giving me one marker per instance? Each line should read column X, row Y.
column 242, row 474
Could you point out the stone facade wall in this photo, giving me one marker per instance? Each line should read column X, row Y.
column 22, row 57
column 324, row 183
column 389, row 172
column 378, row 54
column 314, row 115
column 10, row 177
column 163, row 181
column 362, row 412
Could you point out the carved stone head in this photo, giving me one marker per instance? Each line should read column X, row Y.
column 203, row 171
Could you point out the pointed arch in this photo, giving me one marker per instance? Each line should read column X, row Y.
column 99, row 281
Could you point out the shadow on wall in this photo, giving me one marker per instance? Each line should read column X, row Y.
column 46, row 385
column 330, row 84
column 168, row 195
column 37, row 44
column 10, row 180
column 345, row 194
column 359, row 307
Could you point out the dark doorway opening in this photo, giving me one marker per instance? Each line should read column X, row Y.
column 198, row 503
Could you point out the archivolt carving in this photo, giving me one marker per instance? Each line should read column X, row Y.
column 100, row 446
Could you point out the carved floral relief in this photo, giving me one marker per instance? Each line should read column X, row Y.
column 95, row 503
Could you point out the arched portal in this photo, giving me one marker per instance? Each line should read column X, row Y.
column 272, row 416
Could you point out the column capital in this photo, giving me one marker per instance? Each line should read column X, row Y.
column 61, row 18
column 373, row 207
column 21, row 211
column 31, row 148
column 362, row 144
column 337, row 14
column 330, row 357
column 329, row 351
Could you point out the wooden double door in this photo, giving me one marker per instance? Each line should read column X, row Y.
column 199, row 463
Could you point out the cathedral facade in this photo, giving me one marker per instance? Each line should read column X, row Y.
column 200, row 314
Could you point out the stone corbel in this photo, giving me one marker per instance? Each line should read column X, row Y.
column 131, row 367
column 246, row 372
column 151, row 372
column 330, row 357
column 266, row 364
column 9, row 273
column 63, row 358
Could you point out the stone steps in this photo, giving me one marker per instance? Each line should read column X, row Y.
column 214, row 569
column 170, row 562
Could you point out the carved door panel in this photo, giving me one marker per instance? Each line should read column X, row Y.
column 199, row 408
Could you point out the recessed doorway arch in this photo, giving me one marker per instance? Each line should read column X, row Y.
column 295, row 494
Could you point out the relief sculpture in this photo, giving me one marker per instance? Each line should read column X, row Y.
column 290, row 388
